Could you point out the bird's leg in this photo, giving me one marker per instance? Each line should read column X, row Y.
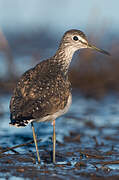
column 35, row 141
column 54, row 141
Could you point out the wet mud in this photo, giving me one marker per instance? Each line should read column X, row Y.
column 87, row 143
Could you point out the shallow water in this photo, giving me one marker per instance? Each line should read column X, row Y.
column 87, row 143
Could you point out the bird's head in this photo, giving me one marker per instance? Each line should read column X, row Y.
column 75, row 39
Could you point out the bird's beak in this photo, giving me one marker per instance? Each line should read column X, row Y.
column 99, row 50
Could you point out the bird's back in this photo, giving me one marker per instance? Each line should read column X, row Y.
column 41, row 91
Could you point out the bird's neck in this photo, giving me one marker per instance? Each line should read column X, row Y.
column 63, row 57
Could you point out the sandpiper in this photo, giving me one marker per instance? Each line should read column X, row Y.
column 43, row 93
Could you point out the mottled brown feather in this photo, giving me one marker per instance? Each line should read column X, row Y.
column 41, row 91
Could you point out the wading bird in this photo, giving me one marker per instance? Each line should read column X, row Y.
column 43, row 93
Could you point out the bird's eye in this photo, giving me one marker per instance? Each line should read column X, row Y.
column 75, row 38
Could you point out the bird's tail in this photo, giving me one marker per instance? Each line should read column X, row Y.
column 20, row 122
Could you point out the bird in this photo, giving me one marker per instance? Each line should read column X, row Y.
column 43, row 93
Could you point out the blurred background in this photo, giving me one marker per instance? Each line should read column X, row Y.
column 30, row 31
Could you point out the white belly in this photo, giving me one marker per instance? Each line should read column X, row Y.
column 57, row 114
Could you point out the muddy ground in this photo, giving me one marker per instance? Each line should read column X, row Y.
column 87, row 143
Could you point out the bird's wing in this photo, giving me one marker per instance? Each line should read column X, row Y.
column 38, row 96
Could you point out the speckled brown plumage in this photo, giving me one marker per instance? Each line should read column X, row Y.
column 41, row 91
